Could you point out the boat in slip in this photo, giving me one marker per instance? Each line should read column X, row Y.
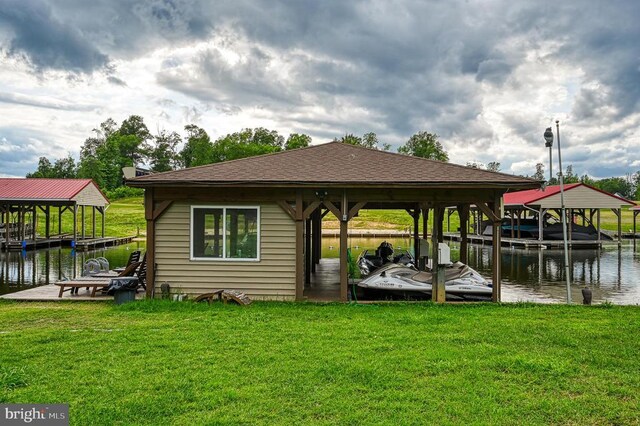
column 405, row 281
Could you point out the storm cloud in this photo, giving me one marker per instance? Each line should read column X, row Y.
column 487, row 77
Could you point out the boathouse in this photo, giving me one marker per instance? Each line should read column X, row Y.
column 254, row 224
column 582, row 202
column 22, row 199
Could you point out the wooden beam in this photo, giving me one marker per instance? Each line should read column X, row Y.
column 307, row 251
column 493, row 217
column 151, row 242
column 310, row 209
column 299, row 247
column 497, row 255
column 161, row 208
column 438, row 292
column 344, row 228
column 287, row 209
column 336, row 212
column 356, row 208
column 47, row 227
column 463, row 213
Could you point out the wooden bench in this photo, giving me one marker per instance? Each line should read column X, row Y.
column 91, row 283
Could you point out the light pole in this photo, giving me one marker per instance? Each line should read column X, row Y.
column 548, row 137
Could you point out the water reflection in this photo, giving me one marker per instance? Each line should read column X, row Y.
column 26, row 269
column 538, row 275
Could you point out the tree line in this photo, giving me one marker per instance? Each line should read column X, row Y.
column 114, row 146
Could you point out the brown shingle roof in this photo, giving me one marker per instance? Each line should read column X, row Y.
column 334, row 164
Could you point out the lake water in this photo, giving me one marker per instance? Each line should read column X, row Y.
column 528, row 275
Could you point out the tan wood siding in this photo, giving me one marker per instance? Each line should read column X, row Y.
column 273, row 277
column 582, row 197
column 90, row 196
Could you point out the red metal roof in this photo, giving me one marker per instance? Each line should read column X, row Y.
column 530, row 196
column 42, row 189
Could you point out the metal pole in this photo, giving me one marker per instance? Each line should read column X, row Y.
column 564, row 217
column 550, row 165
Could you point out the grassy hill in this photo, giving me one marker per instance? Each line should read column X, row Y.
column 125, row 217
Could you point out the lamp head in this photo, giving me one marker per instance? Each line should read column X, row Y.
column 548, row 137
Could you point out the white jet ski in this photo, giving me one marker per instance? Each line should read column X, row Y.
column 461, row 282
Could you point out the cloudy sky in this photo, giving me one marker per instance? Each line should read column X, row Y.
column 487, row 76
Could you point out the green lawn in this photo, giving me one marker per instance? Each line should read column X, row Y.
column 157, row 362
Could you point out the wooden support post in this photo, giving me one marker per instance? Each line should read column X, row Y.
column 541, row 214
column 75, row 224
column 59, row 220
column 598, row 225
column 82, row 227
column 619, row 214
column 519, row 223
column 344, row 228
column 438, row 293
column 7, row 228
column 299, row 246
column 34, row 222
column 93, row 222
column 463, row 213
column 416, row 232
column 570, row 224
column 307, row 251
column 497, row 256
column 512, row 227
column 635, row 216
column 151, row 242
column 103, row 213
column 440, row 223
column 425, row 221
column 47, row 227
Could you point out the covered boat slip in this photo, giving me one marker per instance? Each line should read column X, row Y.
column 528, row 215
column 24, row 201
column 255, row 224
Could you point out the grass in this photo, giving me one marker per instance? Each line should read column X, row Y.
column 156, row 362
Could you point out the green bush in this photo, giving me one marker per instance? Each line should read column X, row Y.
column 124, row 192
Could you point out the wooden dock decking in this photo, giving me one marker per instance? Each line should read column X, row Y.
column 49, row 293
column 66, row 241
column 527, row 243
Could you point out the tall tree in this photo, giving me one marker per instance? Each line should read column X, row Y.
column 297, row 140
column 163, row 155
column 44, row 170
column 493, row 166
column 569, row 176
column 539, row 174
column 368, row 140
column 425, row 145
column 198, row 149
column 136, row 149
column 62, row 168
column 616, row 185
column 246, row 143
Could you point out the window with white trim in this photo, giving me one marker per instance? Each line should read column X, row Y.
column 225, row 232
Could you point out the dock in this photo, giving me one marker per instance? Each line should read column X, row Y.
column 368, row 233
column 527, row 243
column 65, row 241
column 49, row 293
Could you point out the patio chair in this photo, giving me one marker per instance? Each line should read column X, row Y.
column 137, row 271
column 134, row 257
